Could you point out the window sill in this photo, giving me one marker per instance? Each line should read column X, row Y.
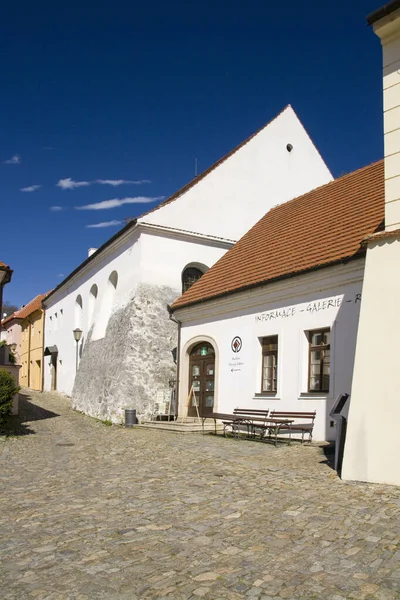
column 265, row 395
column 314, row 396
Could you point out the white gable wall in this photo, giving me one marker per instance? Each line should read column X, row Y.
column 260, row 175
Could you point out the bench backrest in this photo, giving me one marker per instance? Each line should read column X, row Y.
column 250, row 412
column 278, row 414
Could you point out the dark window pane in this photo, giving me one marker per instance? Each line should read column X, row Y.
column 189, row 277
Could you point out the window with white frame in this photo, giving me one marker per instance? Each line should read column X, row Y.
column 269, row 363
column 319, row 362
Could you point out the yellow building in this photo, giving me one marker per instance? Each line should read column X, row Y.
column 32, row 337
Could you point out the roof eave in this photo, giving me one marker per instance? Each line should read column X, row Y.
column 359, row 254
column 92, row 257
column 383, row 11
column 8, row 276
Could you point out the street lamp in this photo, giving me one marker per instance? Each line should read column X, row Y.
column 77, row 336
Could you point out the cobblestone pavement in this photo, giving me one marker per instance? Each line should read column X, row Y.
column 89, row 511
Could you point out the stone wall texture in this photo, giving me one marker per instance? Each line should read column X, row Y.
column 133, row 362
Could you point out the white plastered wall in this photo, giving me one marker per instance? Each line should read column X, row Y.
column 372, row 447
column 326, row 298
column 156, row 258
column 260, row 175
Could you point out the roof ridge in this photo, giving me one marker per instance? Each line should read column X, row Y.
column 216, row 164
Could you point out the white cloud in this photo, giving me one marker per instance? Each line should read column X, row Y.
column 105, row 224
column 115, row 182
column 60, row 275
column 31, row 188
column 56, row 208
column 70, row 184
column 14, row 160
column 115, row 202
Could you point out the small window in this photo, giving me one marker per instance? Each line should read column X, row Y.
column 269, row 363
column 319, row 360
column 189, row 276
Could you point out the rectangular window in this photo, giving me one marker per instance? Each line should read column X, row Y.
column 269, row 363
column 319, row 368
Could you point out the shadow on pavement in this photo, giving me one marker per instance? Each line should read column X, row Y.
column 329, row 452
column 17, row 425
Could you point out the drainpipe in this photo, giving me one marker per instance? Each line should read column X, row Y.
column 178, row 353
column 29, row 351
column 43, row 346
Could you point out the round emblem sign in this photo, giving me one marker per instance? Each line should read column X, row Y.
column 236, row 344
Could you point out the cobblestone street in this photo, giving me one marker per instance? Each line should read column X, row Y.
column 94, row 511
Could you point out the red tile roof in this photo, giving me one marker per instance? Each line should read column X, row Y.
column 28, row 309
column 320, row 228
column 13, row 315
column 3, row 266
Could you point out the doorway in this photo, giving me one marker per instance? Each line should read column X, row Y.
column 202, row 378
column 53, row 363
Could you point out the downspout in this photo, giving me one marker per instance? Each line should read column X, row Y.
column 178, row 355
column 43, row 340
column 1, row 302
column 29, row 351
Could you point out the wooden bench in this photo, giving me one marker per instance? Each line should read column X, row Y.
column 303, row 424
column 244, row 420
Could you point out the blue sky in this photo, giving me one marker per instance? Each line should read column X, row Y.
column 134, row 92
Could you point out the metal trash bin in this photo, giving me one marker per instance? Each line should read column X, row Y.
column 339, row 413
column 130, row 417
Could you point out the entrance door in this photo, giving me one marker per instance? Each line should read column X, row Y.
column 202, row 377
column 54, row 371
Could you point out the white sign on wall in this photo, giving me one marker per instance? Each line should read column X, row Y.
column 236, row 363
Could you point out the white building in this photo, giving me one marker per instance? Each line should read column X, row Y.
column 118, row 296
column 273, row 324
column 373, row 446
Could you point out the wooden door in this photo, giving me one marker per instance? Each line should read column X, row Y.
column 54, row 371
column 202, row 378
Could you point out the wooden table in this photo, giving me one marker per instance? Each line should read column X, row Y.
column 269, row 423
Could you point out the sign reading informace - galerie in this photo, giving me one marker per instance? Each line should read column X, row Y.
column 315, row 306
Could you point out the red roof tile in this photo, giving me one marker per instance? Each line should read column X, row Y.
column 13, row 315
column 28, row 309
column 320, row 228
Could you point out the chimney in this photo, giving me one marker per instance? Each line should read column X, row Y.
column 386, row 24
column 91, row 251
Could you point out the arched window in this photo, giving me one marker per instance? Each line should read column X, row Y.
column 106, row 307
column 78, row 311
column 94, row 290
column 113, row 279
column 191, row 274
column 203, row 349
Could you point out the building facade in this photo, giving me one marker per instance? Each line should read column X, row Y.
column 31, row 319
column 11, row 330
column 274, row 323
column 371, row 451
column 118, row 296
